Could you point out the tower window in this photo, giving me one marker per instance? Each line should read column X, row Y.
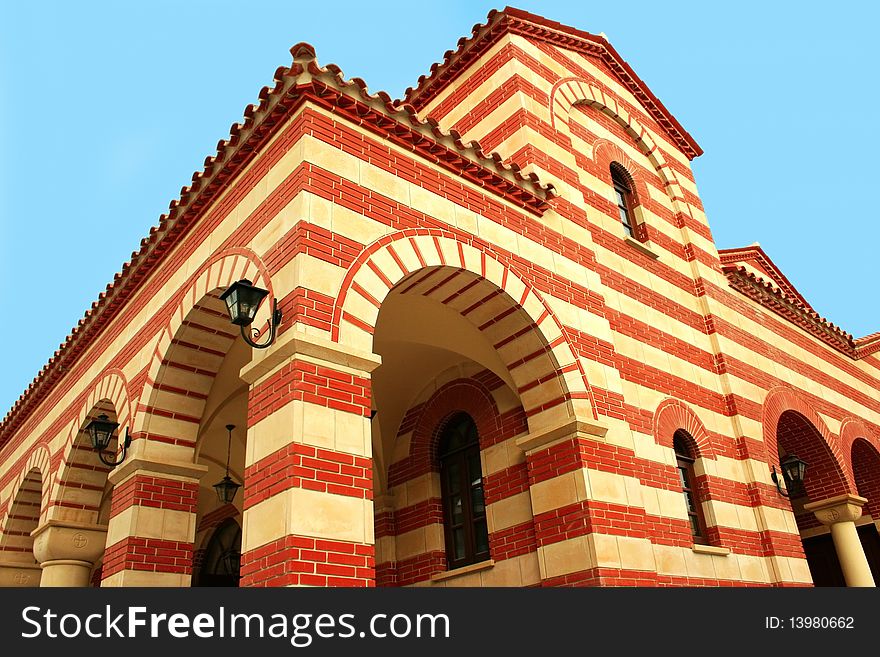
column 464, row 507
column 623, row 194
column 685, row 463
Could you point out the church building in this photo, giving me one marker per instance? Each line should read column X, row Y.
column 477, row 336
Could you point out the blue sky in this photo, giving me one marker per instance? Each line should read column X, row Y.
column 106, row 109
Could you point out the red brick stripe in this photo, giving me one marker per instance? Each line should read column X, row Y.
column 306, row 561
column 305, row 381
column 304, row 466
column 154, row 492
column 149, row 554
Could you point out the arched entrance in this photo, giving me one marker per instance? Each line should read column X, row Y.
column 865, row 460
column 194, row 392
column 823, row 504
column 455, row 345
column 199, row 386
column 71, row 543
column 18, row 566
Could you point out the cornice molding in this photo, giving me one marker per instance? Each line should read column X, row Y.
column 796, row 312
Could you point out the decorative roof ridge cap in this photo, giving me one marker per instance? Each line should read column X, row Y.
column 464, row 43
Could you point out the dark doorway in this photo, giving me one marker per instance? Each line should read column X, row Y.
column 222, row 563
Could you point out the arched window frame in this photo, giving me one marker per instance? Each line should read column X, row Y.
column 222, row 553
column 682, row 444
column 471, row 527
column 627, row 202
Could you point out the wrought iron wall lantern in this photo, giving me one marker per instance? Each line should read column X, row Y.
column 100, row 432
column 243, row 300
column 793, row 471
column 227, row 487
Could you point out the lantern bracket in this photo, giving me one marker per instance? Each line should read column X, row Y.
column 272, row 322
column 126, row 442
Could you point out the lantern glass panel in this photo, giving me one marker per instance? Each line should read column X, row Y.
column 242, row 300
column 226, row 490
column 232, row 303
column 794, row 469
column 101, row 432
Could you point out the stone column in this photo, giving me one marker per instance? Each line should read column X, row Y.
column 67, row 551
column 840, row 513
column 308, row 484
column 152, row 523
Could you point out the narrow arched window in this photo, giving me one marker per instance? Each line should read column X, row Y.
column 684, row 459
column 461, row 478
column 623, row 194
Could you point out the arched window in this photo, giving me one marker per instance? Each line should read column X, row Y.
column 684, row 459
column 222, row 563
column 623, row 194
column 461, row 479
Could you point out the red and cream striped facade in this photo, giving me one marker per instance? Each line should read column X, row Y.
column 421, row 274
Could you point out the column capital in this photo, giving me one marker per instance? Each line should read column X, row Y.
column 57, row 540
column 570, row 429
column 19, row 574
column 837, row 509
column 173, row 469
column 293, row 343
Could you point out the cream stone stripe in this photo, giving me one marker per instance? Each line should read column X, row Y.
column 418, row 541
column 796, row 379
column 451, row 88
column 301, row 422
column 302, row 512
column 620, row 91
column 517, row 571
column 329, row 158
column 146, row 578
column 495, row 81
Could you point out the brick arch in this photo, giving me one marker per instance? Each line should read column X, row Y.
column 824, row 445
column 606, row 153
column 865, row 459
column 409, row 257
column 27, row 506
column 198, row 322
column 861, row 448
column 572, row 91
column 852, row 429
column 672, row 415
column 457, row 396
column 78, row 486
column 80, row 479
